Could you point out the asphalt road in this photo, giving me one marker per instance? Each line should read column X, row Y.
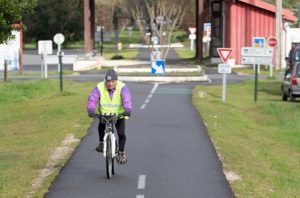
column 169, row 153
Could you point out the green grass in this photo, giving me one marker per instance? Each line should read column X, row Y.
column 15, row 73
column 259, row 141
column 185, row 52
column 35, row 118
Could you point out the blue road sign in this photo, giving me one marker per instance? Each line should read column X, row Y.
column 158, row 67
column 259, row 42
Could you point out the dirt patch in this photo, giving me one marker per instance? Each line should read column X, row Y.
column 56, row 156
column 201, row 94
column 231, row 176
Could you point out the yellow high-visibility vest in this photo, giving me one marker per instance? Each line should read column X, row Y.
column 108, row 105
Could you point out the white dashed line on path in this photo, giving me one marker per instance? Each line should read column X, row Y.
column 141, row 185
column 144, row 105
column 141, row 182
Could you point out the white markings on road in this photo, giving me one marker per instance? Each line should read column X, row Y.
column 154, row 88
column 141, row 182
column 141, row 185
column 144, row 105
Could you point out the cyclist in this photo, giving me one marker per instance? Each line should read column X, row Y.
column 111, row 96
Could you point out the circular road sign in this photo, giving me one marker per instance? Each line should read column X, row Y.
column 59, row 38
column 272, row 42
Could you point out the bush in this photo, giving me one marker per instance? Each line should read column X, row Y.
column 182, row 37
column 117, row 57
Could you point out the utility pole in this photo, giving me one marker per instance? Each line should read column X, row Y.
column 199, row 26
column 278, row 33
column 298, row 14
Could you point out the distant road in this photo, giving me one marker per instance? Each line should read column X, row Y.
column 33, row 61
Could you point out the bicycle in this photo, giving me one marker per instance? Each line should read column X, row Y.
column 111, row 141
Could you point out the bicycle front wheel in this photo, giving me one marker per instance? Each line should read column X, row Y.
column 109, row 159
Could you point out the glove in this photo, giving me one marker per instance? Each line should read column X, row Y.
column 127, row 114
column 91, row 114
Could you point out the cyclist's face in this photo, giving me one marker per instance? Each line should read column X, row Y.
column 111, row 84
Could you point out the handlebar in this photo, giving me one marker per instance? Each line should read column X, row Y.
column 111, row 117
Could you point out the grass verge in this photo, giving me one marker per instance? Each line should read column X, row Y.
column 35, row 119
column 259, row 141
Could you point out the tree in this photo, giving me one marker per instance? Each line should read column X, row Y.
column 12, row 12
column 51, row 17
column 163, row 17
column 112, row 13
column 291, row 4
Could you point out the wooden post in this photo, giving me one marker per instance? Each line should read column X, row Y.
column 89, row 23
column 21, row 61
column 199, row 26
column 5, row 70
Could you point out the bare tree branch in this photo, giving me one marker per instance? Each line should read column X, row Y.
column 165, row 16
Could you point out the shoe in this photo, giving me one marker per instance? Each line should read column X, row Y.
column 99, row 148
column 122, row 157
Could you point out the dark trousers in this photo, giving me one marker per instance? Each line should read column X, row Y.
column 120, row 126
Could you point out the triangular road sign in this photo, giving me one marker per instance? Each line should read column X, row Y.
column 224, row 53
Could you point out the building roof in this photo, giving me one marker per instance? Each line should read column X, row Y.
column 286, row 13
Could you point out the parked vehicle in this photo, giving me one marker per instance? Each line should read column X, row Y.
column 294, row 55
column 291, row 83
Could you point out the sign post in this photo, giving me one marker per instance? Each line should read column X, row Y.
column 258, row 42
column 44, row 48
column 256, row 56
column 225, row 68
column 59, row 39
column 272, row 43
column 192, row 36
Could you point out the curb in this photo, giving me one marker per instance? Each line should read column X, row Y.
column 141, row 70
column 163, row 78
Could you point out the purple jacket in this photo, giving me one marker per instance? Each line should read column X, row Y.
column 95, row 95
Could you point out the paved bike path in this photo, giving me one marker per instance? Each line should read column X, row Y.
column 167, row 144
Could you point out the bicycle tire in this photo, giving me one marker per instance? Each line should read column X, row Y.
column 116, row 153
column 108, row 158
column 113, row 166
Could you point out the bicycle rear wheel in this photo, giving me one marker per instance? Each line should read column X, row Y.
column 109, row 160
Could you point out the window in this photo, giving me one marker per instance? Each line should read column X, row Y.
column 298, row 70
column 297, row 55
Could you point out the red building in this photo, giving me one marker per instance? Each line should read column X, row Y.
column 236, row 22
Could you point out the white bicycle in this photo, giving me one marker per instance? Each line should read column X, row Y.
column 111, row 141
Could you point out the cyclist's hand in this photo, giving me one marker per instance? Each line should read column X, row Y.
column 91, row 114
column 127, row 114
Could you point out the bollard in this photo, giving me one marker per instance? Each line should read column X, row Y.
column 101, row 41
column 5, row 70
column 61, row 70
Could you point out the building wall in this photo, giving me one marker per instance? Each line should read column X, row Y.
column 10, row 52
column 245, row 22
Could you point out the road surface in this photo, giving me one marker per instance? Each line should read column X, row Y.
column 169, row 153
